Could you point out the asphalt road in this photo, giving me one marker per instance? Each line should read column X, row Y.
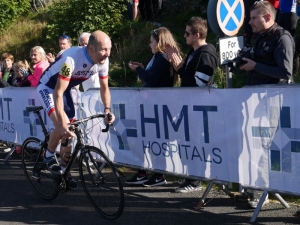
column 153, row 206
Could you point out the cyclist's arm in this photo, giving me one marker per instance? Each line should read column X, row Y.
column 105, row 94
column 60, row 87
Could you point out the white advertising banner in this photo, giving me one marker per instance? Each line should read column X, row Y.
column 248, row 136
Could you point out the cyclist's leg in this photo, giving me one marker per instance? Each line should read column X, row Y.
column 45, row 95
column 66, row 144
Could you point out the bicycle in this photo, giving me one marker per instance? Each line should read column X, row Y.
column 99, row 177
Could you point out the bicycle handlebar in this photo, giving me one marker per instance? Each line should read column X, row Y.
column 77, row 122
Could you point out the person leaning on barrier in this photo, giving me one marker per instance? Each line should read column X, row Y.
column 158, row 73
column 38, row 57
column 22, row 71
column 54, row 91
column 7, row 75
column 196, row 70
column 271, row 61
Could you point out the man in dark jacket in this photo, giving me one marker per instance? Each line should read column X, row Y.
column 272, row 48
column 196, row 70
column 271, row 63
column 7, row 75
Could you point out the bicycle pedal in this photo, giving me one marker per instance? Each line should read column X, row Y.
column 62, row 187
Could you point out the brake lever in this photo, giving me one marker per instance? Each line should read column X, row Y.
column 109, row 117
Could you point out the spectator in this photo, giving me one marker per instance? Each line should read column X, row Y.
column 135, row 9
column 288, row 20
column 65, row 42
column 196, row 70
column 8, row 75
column 247, row 28
column 158, row 73
column 22, row 71
column 93, row 81
column 271, row 63
column 38, row 57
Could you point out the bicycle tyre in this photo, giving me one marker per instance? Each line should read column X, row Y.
column 101, row 182
column 43, row 183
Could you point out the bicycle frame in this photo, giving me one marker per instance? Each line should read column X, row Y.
column 80, row 145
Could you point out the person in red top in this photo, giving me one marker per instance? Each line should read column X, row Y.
column 38, row 57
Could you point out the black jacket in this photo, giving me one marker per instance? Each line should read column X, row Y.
column 202, row 61
column 273, row 54
column 10, row 80
column 158, row 75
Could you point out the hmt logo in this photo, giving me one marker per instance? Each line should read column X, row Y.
column 281, row 157
column 32, row 119
column 165, row 123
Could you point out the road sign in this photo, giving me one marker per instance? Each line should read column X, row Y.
column 230, row 15
column 229, row 47
column 212, row 17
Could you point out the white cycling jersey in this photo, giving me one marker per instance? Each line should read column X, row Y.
column 73, row 65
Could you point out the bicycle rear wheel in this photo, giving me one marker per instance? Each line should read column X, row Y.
column 101, row 182
column 41, row 180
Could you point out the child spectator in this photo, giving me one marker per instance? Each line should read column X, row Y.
column 22, row 71
column 7, row 77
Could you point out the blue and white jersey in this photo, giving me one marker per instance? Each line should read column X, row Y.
column 75, row 66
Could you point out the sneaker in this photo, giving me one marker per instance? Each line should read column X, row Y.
column 137, row 179
column 187, row 187
column 6, row 150
column 155, row 181
column 71, row 183
column 244, row 197
column 252, row 204
column 36, row 175
column 52, row 165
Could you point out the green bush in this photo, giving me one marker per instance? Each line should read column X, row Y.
column 73, row 17
column 10, row 10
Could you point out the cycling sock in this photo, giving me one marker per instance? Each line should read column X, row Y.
column 49, row 153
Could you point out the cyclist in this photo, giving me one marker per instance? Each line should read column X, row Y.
column 74, row 66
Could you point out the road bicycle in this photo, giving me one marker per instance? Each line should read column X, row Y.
column 99, row 177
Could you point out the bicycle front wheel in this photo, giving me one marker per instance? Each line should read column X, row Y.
column 101, row 182
column 41, row 180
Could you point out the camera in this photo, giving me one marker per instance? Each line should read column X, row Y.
column 238, row 61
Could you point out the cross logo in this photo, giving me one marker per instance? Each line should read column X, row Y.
column 32, row 119
column 125, row 127
column 230, row 15
column 285, row 141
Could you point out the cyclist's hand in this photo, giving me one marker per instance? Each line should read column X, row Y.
column 110, row 118
column 65, row 132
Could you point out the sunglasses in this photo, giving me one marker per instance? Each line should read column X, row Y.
column 261, row 2
column 154, row 32
column 65, row 37
column 187, row 34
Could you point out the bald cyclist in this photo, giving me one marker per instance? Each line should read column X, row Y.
column 73, row 67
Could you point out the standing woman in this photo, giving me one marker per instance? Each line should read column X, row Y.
column 158, row 73
column 38, row 57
